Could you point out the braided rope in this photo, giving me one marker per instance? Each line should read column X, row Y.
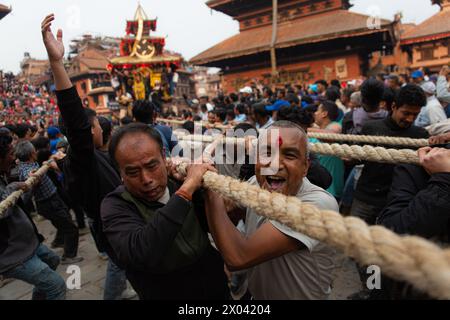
column 406, row 258
column 396, row 141
column 12, row 199
column 366, row 153
column 355, row 152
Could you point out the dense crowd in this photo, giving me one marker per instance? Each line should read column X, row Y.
column 173, row 239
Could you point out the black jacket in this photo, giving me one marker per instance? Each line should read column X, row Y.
column 88, row 173
column 418, row 204
column 376, row 178
column 19, row 237
column 140, row 246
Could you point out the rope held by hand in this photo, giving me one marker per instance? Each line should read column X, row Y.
column 406, row 258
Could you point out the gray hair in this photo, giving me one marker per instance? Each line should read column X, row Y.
column 356, row 98
column 24, row 150
column 292, row 125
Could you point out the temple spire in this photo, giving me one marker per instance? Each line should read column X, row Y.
column 140, row 13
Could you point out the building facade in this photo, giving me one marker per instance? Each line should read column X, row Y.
column 306, row 47
column 32, row 69
column 428, row 44
column 89, row 74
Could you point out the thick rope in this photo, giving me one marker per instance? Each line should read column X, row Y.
column 354, row 152
column 396, row 141
column 405, row 258
column 384, row 140
column 366, row 153
column 12, row 199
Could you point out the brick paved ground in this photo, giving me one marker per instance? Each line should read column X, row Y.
column 93, row 271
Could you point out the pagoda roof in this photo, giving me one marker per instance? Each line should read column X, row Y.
column 4, row 11
column 434, row 28
column 310, row 29
column 234, row 8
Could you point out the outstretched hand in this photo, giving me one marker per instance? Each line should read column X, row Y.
column 54, row 46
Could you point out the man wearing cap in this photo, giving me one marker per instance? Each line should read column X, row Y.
column 433, row 112
column 246, row 93
column 276, row 107
column 418, row 77
column 55, row 136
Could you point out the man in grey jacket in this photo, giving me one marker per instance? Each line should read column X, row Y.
column 22, row 254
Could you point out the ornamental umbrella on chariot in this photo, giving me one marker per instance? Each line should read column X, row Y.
column 143, row 67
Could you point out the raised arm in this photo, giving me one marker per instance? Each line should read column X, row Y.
column 55, row 51
column 79, row 130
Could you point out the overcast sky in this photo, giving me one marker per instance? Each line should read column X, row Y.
column 190, row 25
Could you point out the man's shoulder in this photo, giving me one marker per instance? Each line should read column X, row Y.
column 373, row 126
column 418, row 132
column 316, row 195
column 114, row 196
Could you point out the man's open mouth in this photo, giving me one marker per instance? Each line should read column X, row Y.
column 275, row 182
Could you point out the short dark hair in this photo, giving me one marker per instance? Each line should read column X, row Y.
column 5, row 144
column 394, row 78
column 322, row 82
column 260, row 109
column 240, row 108
column 292, row 98
column 221, row 113
column 21, row 130
column 336, row 83
column 388, row 97
column 91, row 115
column 106, row 128
column 332, row 93
column 234, row 97
column 143, row 111
column 269, row 91
column 411, row 95
column 41, row 143
column 331, row 108
column 307, row 99
column 189, row 126
column 348, row 92
column 133, row 128
column 372, row 91
column 126, row 120
column 298, row 116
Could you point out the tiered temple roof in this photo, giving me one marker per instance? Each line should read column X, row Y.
column 435, row 28
column 300, row 22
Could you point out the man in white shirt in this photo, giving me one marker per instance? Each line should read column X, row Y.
column 442, row 85
column 260, row 116
column 433, row 112
column 281, row 263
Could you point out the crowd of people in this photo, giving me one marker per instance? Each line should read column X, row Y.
column 173, row 239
